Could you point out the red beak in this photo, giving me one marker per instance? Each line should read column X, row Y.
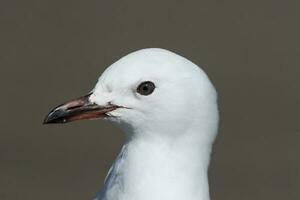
column 78, row 109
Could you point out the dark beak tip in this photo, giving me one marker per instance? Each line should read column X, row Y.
column 54, row 117
column 53, row 121
column 46, row 121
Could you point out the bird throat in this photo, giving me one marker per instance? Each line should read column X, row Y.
column 158, row 169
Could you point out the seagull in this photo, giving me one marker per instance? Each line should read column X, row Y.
column 167, row 107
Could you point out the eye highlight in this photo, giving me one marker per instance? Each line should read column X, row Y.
column 145, row 88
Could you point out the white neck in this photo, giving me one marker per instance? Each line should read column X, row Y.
column 156, row 168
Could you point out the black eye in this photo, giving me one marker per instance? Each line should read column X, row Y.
column 146, row 88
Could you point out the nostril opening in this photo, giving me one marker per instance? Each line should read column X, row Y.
column 73, row 107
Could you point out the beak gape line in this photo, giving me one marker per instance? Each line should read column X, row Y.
column 78, row 109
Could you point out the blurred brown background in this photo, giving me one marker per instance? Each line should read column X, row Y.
column 53, row 50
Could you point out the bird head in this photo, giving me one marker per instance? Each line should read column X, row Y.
column 149, row 91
